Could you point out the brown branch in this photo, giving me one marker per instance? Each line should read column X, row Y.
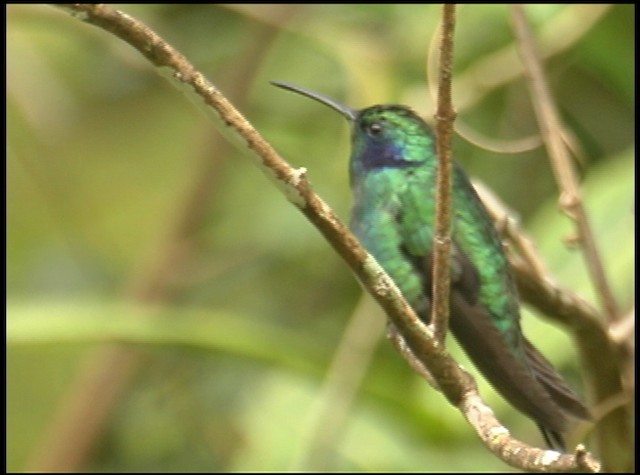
column 551, row 128
column 455, row 383
column 445, row 115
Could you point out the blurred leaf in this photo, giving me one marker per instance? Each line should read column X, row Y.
column 73, row 322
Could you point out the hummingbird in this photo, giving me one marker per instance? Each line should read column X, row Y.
column 392, row 169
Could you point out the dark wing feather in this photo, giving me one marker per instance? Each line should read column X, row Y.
column 554, row 384
column 481, row 340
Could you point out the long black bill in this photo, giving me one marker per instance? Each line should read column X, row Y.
column 348, row 112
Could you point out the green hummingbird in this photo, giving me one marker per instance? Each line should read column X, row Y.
column 393, row 169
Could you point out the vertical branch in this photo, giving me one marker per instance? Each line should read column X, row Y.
column 551, row 129
column 445, row 115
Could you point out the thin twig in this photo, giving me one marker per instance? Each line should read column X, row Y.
column 455, row 383
column 551, row 128
column 445, row 115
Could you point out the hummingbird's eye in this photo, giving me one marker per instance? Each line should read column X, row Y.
column 374, row 129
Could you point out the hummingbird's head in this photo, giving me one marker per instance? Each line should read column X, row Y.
column 383, row 136
column 390, row 136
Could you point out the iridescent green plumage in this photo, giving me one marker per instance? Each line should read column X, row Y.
column 393, row 179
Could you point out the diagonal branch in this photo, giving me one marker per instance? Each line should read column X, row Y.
column 551, row 128
column 455, row 383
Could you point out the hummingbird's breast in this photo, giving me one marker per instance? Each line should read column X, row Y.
column 386, row 224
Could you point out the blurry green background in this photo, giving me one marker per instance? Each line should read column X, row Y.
column 130, row 221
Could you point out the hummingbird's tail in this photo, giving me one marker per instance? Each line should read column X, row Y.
column 558, row 390
column 553, row 439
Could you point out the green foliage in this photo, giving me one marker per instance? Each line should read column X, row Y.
column 248, row 310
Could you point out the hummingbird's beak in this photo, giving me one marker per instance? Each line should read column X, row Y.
column 346, row 111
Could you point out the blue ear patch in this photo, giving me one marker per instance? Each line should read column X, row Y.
column 384, row 154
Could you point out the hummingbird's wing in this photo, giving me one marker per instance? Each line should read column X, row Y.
column 554, row 384
column 556, row 387
column 495, row 353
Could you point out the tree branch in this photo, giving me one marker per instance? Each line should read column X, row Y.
column 445, row 115
column 551, row 128
column 455, row 383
